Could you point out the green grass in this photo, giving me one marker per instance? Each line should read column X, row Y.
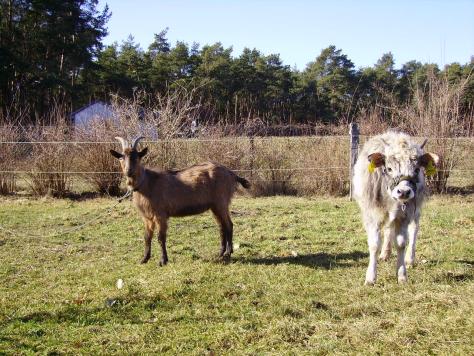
column 295, row 283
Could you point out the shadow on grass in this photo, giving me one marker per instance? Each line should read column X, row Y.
column 465, row 262
column 314, row 260
column 124, row 309
column 451, row 277
column 467, row 190
column 17, row 344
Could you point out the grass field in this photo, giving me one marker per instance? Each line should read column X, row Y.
column 295, row 283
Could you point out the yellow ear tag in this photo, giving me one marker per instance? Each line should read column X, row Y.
column 430, row 169
column 371, row 167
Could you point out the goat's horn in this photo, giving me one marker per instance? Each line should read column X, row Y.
column 122, row 141
column 135, row 142
column 424, row 143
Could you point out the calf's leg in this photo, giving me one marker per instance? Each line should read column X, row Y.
column 373, row 240
column 387, row 244
column 401, row 241
column 412, row 234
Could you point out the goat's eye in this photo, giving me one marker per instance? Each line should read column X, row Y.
column 417, row 170
column 389, row 169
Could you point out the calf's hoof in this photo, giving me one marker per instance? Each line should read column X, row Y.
column 402, row 280
column 410, row 263
column 384, row 256
column 370, row 277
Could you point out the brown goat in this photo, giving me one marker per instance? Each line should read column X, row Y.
column 159, row 195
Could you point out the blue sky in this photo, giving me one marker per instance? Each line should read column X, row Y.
column 432, row 31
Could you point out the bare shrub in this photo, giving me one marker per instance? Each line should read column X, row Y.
column 95, row 158
column 271, row 164
column 159, row 118
column 104, row 176
column 435, row 111
column 9, row 158
column 49, row 162
column 326, row 159
column 372, row 121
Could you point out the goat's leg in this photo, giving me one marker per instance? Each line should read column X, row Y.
column 163, row 222
column 223, row 230
column 229, row 235
column 223, row 240
column 149, row 230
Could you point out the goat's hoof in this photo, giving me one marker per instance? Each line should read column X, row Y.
column 226, row 258
column 410, row 264
column 144, row 260
column 369, row 283
column 163, row 263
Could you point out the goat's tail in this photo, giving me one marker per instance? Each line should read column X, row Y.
column 245, row 183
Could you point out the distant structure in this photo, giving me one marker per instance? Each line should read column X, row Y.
column 83, row 118
column 193, row 128
column 97, row 110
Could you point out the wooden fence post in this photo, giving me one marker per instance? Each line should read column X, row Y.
column 354, row 137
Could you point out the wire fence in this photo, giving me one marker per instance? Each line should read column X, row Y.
column 287, row 165
column 229, row 139
column 235, row 170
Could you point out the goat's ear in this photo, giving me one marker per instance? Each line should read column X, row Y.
column 143, row 152
column 116, row 154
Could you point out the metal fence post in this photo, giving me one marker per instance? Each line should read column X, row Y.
column 354, row 137
column 252, row 156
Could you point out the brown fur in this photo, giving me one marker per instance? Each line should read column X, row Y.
column 159, row 195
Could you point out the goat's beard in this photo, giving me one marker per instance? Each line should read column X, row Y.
column 130, row 182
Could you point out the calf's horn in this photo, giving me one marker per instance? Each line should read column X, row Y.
column 424, row 143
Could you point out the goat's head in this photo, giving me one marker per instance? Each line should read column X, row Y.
column 130, row 159
column 402, row 172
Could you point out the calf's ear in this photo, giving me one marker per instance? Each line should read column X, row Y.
column 425, row 159
column 429, row 161
column 116, row 154
column 376, row 159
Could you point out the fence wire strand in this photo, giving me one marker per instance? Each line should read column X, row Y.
column 224, row 139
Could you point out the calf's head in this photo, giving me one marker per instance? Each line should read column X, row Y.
column 402, row 172
column 130, row 160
